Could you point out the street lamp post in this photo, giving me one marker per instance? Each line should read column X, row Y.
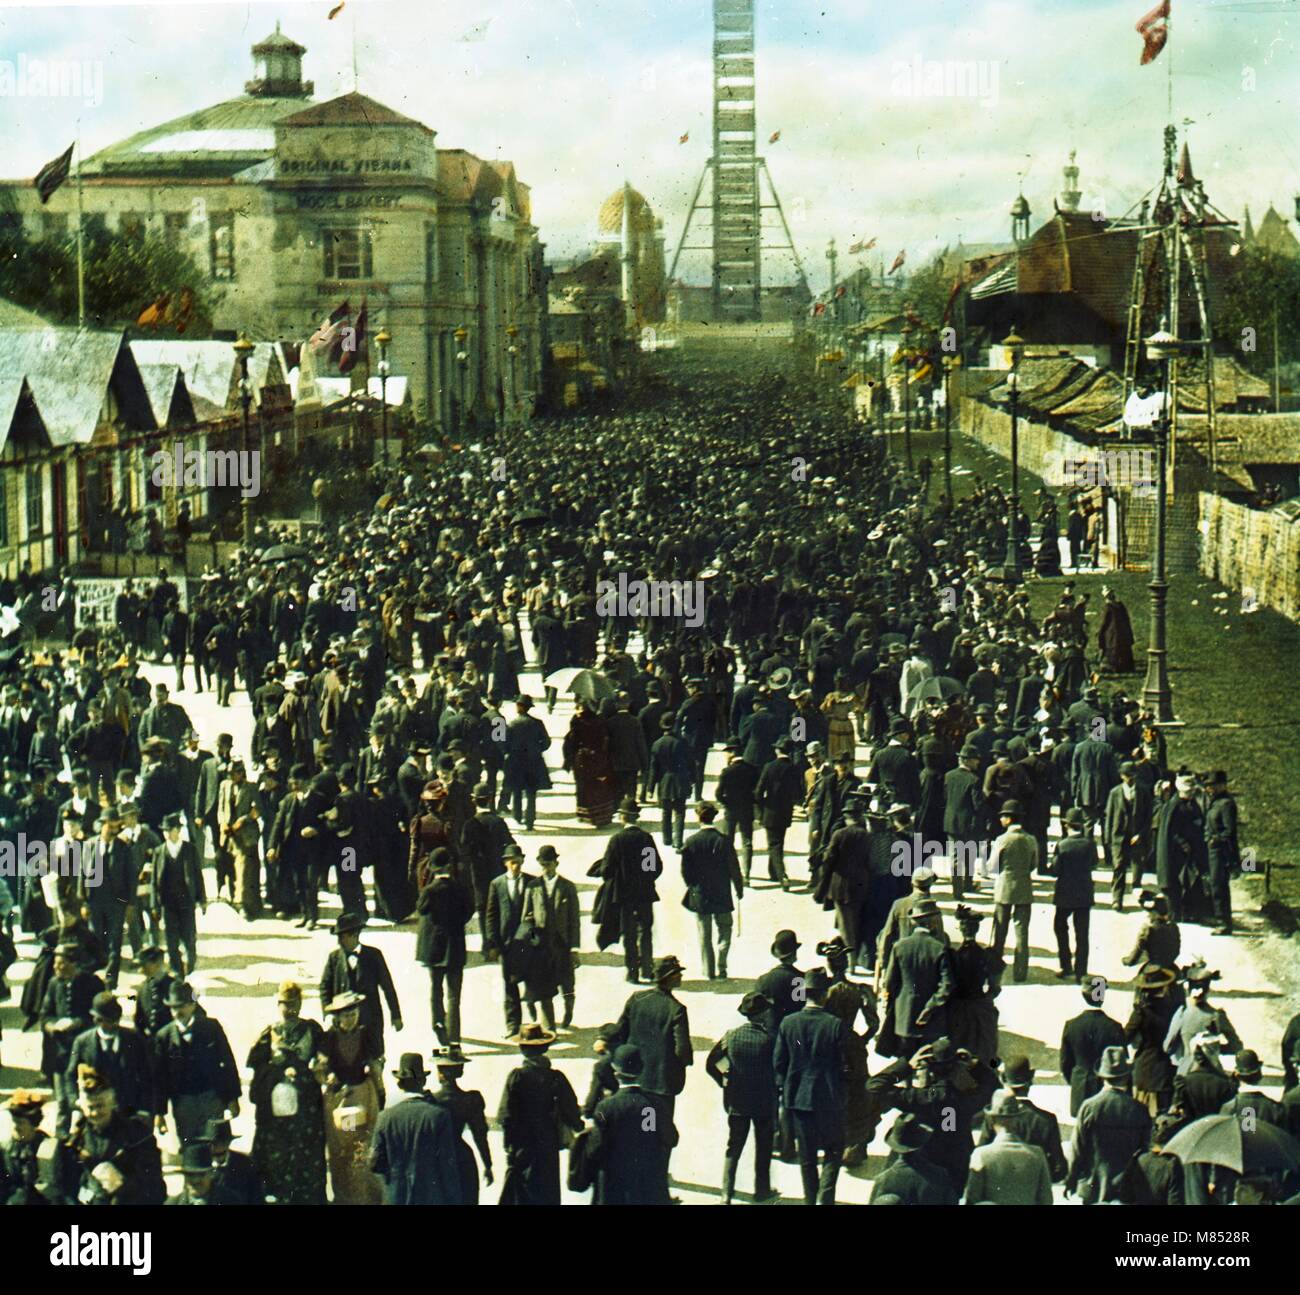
column 1011, row 570
column 243, row 349
column 950, row 364
column 512, row 350
column 383, row 337
column 462, row 363
column 1161, row 347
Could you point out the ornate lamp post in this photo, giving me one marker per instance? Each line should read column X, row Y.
column 383, row 337
column 462, row 363
column 512, row 350
column 1011, row 569
column 951, row 363
column 243, row 349
column 1162, row 347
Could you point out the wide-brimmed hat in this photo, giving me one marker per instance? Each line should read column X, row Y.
column 668, row 966
column 1074, row 817
column 924, row 908
column 784, row 944
column 1005, row 1105
column 344, row 1002
column 433, row 790
column 780, row 679
column 1154, row 976
column 755, row 1004
column 533, row 1035
column 1114, row 1063
column 348, row 922
column 832, row 948
column 1011, row 809
column 909, row 1133
column 410, row 1068
column 26, row 1104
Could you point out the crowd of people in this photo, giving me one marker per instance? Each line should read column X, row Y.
column 394, row 748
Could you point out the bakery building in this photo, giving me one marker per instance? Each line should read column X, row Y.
column 292, row 207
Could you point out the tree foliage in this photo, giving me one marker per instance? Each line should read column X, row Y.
column 124, row 274
column 1258, row 282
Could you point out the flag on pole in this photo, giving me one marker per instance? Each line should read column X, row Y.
column 53, row 174
column 898, row 261
column 356, row 341
column 685, row 139
column 863, row 245
column 819, row 309
column 774, row 137
column 327, row 340
column 840, row 291
column 155, row 313
column 338, row 9
column 1154, row 30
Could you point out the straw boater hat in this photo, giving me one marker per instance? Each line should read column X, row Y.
column 533, row 1035
column 344, row 1002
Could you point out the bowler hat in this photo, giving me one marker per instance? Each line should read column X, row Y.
column 1017, row 1072
column 1005, row 1106
column 784, row 746
column 628, row 808
column 218, row 1131
column 512, row 851
column 785, row 944
column 150, row 953
column 627, row 1061
column 547, row 854
column 1074, row 817
column 1248, row 1065
column 899, row 724
column 196, row 1158
column 755, row 1004
column 180, row 994
column 1011, row 809
column 1114, row 1063
column 410, row 1068
column 105, row 1007
column 816, row 983
column 524, row 700
column 347, row 922
column 969, row 752
column 173, row 820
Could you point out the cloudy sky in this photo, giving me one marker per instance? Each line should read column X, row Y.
column 582, row 94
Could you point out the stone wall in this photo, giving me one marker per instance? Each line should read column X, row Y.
column 1255, row 552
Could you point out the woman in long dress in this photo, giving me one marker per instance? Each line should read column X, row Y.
column 976, row 982
column 289, row 1136
column 838, row 707
column 586, row 752
column 348, row 1066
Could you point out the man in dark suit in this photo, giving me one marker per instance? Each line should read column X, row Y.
column 65, row 1014
column 630, row 865
column 672, row 774
column 1203, row 1088
column 525, row 764
column 120, row 1055
column 415, row 1144
column 514, row 914
column 1126, row 832
column 695, row 722
column 783, row 985
column 561, row 935
column 846, row 878
column 779, row 789
column 1038, row 1128
column 811, row 1064
column 655, row 1022
column 1094, row 771
column 483, row 840
column 112, row 896
column 196, row 1071
column 735, row 793
column 894, row 766
column 236, row 1180
column 151, row 1010
column 1083, row 1041
column 918, row 980
column 711, row 871
column 176, row 889
column 629, row 752
column 359, row 968
column 741, row 1064
column 966, row 820
column 209, row 773
column 445, row 906
column 911, row 1176
column 1071, row 864
column 759, row 732
column 635, row 1137
column 1111, row 1129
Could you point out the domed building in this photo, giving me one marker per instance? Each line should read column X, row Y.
column 292, row 207
column 629, row 231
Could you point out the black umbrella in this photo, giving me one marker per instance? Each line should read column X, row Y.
column 531, row 517
column 589, row 685
column 1225, row 1140
column 937, row 685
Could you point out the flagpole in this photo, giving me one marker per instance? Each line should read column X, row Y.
column 356, row 84
column 81, row 250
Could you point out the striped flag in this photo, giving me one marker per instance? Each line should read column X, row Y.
column 327, row 340
column 863, row 245
column 1154, row 30
column 52, row 174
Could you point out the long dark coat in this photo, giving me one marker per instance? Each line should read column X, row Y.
column 635, row 1136
column 536, row 1102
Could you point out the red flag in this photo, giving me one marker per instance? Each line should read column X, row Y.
column 819, row 308
column 841, row 290
column 354, row 344
column 685, row 139
column 898, row 260
column 327, row 340
column 1154, row 30
column 773, row 137
column 338, row 9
